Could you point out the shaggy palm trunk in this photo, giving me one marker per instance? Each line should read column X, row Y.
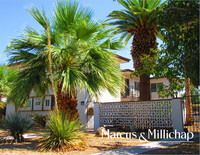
column 66, row 102
column 50, row 68
column 189, row 115
column 145, row 94
column 144, row 40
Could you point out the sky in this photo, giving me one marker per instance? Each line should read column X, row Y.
column 14, row 18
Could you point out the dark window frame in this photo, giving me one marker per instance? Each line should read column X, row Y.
column 156, row 86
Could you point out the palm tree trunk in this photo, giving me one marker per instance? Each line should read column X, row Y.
column 145, row 94
column 66, row 102
column 50, row 69
column 189, row 115
column 143, row 41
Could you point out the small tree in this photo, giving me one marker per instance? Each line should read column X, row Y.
column 178, row 58
column 181, row 57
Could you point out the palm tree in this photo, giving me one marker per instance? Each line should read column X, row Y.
column 138, row 20
column 7, row 76
column 79, row 52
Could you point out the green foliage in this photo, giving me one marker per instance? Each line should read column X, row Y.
column 7, row 76
column 65, row 133
column 80, row 52
column 136, row 14
column 180, row 52
column 146, row 60
column 139, row 21
column 17, row 125
column 40, row 120
column 178, row 58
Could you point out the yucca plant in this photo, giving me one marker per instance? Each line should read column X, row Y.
column 65, row 133
column 17, row 125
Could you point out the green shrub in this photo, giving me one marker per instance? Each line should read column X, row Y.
column 65, row 133
column 40, row 120
column 17, row 125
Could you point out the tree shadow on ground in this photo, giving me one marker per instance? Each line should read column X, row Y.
column 183, row 148
column 28, row 144
column 109, row 146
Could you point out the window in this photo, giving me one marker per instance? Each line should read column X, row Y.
column 47, row 103
column 127, row 87
column 29, row 103
column 137, row 86
column 159, row 86
column 82, row 103
column 155, row 87
column 37, row 103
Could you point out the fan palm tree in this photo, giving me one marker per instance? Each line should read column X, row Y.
column 7, row 77
column 138, row 20
column 79, row 53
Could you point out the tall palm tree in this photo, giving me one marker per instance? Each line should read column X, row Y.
column 138, row 20
column 79, row 53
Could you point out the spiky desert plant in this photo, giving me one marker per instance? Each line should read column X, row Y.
column 17, row 125
column 65, row 133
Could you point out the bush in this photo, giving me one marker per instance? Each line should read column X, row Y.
column 65, row 133
column 40, row 120
column 17, row 125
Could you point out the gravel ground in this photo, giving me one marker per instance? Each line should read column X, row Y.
column 183, row 148
column 93, row 145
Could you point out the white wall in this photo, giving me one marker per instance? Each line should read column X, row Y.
column 165, row 81
column 32, row 113
column 10, row 108
column 154, row 95
column 82, row 96
column 132, row 84
column 82, row 109
column 107, row 97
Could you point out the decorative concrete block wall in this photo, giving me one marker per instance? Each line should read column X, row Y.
column 143, row 114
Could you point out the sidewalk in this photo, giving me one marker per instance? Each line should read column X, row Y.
column 143, row 148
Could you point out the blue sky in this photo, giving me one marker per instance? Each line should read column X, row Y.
column 14, row 17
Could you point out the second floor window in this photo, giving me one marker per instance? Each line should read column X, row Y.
column 127, row 87
column 137, row 86
column 155, row 87
column 47, row 104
